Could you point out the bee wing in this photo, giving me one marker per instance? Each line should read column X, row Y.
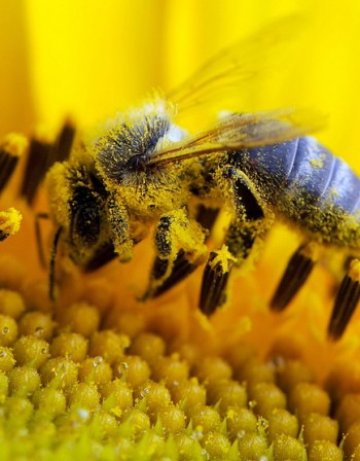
column 240, row 131
column 227, row 74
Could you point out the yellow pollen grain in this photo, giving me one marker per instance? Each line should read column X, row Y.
column 49, row 402
column 281, row 421
column 23, row 381
column 171, row 370
column 155, row 395
column 148, row 346
column 80, row 318
column 254, row 371
column 319, row 427
column 172, row 419
column 59, row 373
column 252, row 446
column 18, row 410
column 227, row 394
column 288, row 448
column 11, row 303
column 108, row 345
column 133, row 369
column 8, row 330
column 216, row 445
column 205, row 418
column 190, row 394
column 70, row 345
column 95, row 370
column 213, row 369
column 291, row 373
column 31, row 351
column 7, row 361
column 117, row 396
column 308, row 398
column 266, row 398
column 239, row 421
column 84, row 396
column 325, row 451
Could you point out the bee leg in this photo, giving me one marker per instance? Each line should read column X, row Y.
column 54, row 247
column 346, row 301
column 247, row 225
column 39, row 238
column 121, row 244
column 179, row 244
column 41, row 156
column 296, row 273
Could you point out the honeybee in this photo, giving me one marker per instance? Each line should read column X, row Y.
column 144, row 170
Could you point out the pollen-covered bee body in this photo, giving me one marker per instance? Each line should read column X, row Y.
column 142, row 172
column 309, row 187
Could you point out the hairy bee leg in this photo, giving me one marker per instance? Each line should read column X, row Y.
column 179, row 244
column 121, row 245
column 41, row 156
column 39, row 238
column 206, row 217
column 54, row 247
column 346, row 301
column 245, row 228
column 297, row 272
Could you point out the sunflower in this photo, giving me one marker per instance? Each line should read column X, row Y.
column 99, row 375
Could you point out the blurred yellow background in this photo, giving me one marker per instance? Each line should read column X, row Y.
column 91, row 59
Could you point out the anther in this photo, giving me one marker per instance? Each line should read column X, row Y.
column 346, row 301
column 296, row 273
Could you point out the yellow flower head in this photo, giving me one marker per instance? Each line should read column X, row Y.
column 91, row 371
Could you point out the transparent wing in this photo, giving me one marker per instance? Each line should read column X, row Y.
column 240, row 131
column 226, row 76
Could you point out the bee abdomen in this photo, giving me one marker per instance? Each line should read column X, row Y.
column 304, row 182
column 303, row 166
column 326, row 180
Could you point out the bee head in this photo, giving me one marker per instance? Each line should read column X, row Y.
column 126, row 149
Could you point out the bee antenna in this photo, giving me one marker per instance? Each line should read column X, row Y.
column 54, row 246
